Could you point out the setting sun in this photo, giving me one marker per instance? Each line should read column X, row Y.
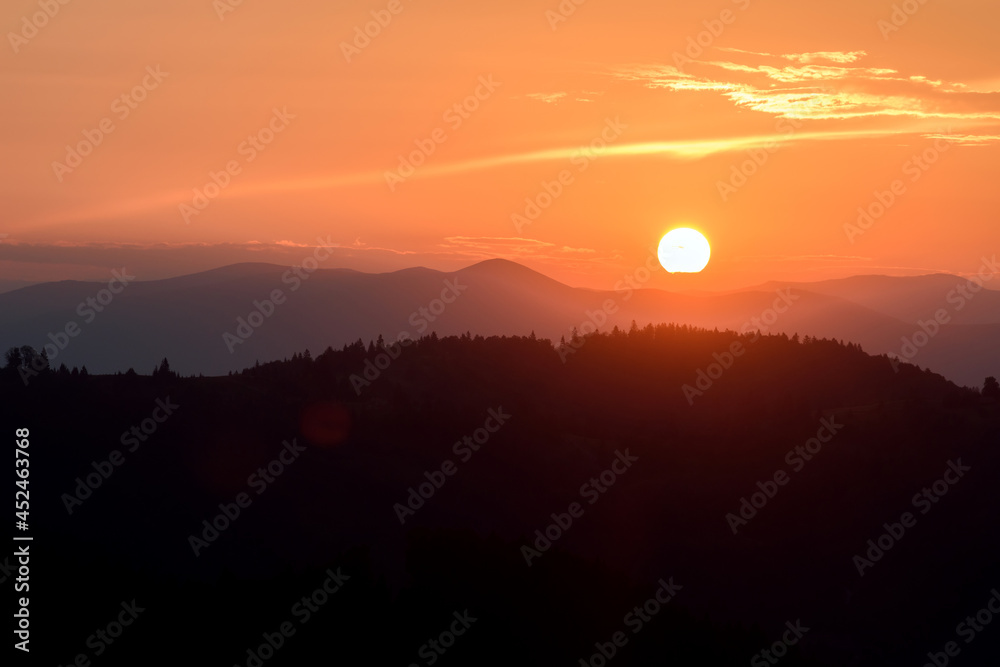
column 684, row 250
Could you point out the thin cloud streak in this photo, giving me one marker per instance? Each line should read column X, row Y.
column 683, row 150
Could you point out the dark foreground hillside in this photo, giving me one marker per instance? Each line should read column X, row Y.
column 663, row 496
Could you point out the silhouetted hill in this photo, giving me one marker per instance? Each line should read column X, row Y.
column 192, row 320
column 686, row 462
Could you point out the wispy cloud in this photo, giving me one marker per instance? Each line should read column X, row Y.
column 577, row 96
column 494, row 246
column 684, row 149
column 838, row 89
column 361, row 245
column 548, row 98
column 814, row 86
column 967, row 139
column 286, row 244
column 829, row 56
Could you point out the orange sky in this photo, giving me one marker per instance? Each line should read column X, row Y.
column 851, row 103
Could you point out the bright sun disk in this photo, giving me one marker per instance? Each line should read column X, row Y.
column 684, row 250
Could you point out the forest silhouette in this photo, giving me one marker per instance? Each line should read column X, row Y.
column 376, row 421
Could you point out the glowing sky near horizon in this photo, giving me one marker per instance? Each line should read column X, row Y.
column 464, row 131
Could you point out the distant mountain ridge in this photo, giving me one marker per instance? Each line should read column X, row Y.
column 911, row 298
column 201, row 321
